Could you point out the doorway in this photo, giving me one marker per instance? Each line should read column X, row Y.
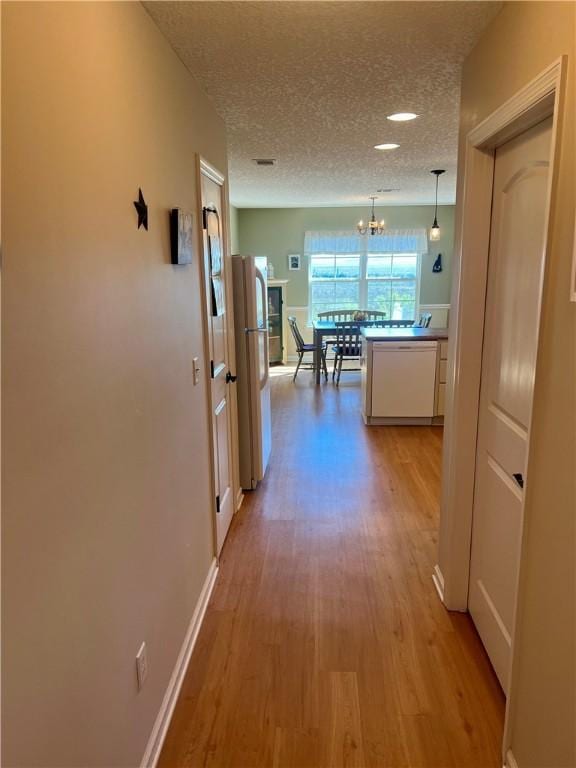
column 514, row 286
column 217, row 301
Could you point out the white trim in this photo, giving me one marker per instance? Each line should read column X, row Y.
column 434, row 306
column 520, row 112
column 467, row 324
column 239, row 499
column 542, row 97
column 156, row 740
column 510, row 761
column 211, row 172
column 438, row 580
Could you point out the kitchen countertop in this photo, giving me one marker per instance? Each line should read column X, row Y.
column 405, row 334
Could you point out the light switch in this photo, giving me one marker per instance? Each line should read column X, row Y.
column 195, row 371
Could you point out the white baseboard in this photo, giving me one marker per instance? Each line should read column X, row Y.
column 438, row 580
column 510, row 760
column 160, row 728
column 239, row 499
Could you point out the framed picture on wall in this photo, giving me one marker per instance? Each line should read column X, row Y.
column 181, row 236
column 294, row 261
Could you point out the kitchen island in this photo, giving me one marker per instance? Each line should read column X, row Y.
column 403, row 375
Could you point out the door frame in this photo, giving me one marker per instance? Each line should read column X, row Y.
column 204, row 168
column 539, row 99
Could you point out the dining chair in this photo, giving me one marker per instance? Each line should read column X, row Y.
column 424, row 320
column 394, row 323
column 371, row 315
column 348, row 346
column 337, row 315
column 302, row 348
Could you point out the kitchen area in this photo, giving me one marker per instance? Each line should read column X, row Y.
column 403, row 375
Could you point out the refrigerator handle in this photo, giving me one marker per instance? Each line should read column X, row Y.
column 262, row 281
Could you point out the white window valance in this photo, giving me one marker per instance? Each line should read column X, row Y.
column 349, row 241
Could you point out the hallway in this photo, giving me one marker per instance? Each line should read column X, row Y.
column 324, row 643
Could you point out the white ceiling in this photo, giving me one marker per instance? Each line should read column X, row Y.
column 310, row 83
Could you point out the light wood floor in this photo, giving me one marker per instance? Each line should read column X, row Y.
column 325, row 643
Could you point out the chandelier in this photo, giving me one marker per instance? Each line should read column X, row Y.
column 373, row 227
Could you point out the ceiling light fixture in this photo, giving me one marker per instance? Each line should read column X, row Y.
column 373, row 227
column 386, row 146
column 402, row 117
column 435, row 229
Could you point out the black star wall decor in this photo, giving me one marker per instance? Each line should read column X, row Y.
column 142, row 209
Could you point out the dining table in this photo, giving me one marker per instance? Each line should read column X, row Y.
column 329, row 329
column 322, row 329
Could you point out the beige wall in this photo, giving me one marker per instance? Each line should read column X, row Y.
column 107, row 533
column 276, row 232
column 522, row 40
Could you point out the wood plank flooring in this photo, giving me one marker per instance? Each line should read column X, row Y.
column 325, row 644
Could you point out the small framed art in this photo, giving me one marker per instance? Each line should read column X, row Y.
column 181, row 236
column 294, row 261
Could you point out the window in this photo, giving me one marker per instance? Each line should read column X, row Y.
column 334, row 282
column 392, row 284
column 347, row 271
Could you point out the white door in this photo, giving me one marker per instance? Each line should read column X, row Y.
column 259, row 351
column 515, row 271
column 215, row 287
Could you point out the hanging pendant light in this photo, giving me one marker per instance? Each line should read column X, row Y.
column 435, row 229
column 373, row 227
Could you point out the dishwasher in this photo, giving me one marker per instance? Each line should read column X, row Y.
column 403, row 379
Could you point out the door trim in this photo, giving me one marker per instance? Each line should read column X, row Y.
column 540, row 98
column 204, row 168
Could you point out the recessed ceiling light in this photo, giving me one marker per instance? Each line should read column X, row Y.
column 386, row 146
column 402, row 117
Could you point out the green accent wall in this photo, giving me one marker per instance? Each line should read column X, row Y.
column 277, row 232
column 234, row 239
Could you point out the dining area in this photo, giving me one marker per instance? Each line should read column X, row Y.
column 402, row 363
column 337, row 337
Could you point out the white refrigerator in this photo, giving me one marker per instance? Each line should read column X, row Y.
column 252, row 367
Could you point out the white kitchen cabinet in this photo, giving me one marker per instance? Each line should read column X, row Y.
column 441, row 378
column 401, row 372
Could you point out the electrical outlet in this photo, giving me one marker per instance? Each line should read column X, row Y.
column 195, row 371
column 141, row 665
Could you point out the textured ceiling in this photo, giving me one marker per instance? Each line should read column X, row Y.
column 311, row 83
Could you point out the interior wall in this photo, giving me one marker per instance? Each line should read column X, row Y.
column 277, row 232
column 107, row 530
column 523, row 40
column 234, row 234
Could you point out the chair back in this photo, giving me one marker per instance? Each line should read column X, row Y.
column 337, row 315
column 348, row 339
column 424, row 320
column 298, row 340
column 389, row 324
column 373, row 314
